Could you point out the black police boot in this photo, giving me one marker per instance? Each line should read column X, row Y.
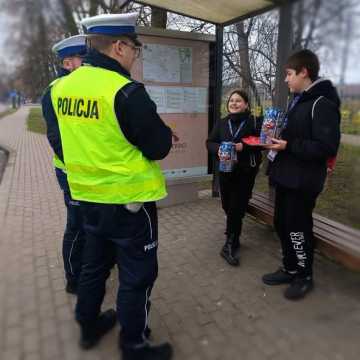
column 236, row 245
column 278, row 277
column 228, row 252
column 147, row 351
column 147, row 335
column 299, row 288
column 91, row 335
column 71, row 287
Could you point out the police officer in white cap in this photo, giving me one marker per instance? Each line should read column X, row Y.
column 111, row 137
column 70, row 52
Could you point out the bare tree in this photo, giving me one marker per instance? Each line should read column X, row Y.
column 254, row 44
column 249, row 55
column 158, row 18
column 68, row 17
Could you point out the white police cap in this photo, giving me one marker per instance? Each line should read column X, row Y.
column 112, row 25
column 74, row 45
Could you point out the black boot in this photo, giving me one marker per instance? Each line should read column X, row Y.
column 236, row 245
column 91, row 335
column 229, row 250
column 71, row 287
column 278, row 277
column 147, row 351
column 147, row 335
column 298, row 288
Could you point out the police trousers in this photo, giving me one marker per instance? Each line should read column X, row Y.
column 114, row 235
column 74, row 239
column 294, row 225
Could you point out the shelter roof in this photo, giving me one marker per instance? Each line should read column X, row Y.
column 216, row 11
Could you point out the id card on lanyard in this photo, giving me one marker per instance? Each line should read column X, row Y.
column 233, row 136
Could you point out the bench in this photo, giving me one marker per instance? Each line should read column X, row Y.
column 335, row 240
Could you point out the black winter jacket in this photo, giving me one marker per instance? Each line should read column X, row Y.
column 313, row 135
column 250, row 157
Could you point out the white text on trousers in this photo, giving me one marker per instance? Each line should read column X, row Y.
column 297, row 239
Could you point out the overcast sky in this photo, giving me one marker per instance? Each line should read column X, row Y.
column 2, row 31
column 4, row 34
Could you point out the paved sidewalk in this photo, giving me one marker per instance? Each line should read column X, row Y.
column 207, row 309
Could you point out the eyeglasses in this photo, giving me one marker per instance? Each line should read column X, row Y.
column 137, row 49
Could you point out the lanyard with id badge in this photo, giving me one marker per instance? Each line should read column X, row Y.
column 234, row 136
column 227, row 150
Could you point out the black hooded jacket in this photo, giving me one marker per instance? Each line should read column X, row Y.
column 312, row 133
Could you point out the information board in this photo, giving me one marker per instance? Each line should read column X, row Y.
column 175, row 72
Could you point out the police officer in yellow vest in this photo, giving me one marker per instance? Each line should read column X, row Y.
column 111, row 136
column 70, row 52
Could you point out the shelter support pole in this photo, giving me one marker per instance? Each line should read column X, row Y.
column 217, row 89
column 284, row 48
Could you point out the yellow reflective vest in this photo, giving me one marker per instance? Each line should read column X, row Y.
column 56, row 161
column 101, row 165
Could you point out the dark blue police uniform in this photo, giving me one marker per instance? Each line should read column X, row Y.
column 74, row 237
column 113, row 233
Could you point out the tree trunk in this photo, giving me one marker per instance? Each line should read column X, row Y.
column 158, row 18
column 70, row 25
column 247, row 82
column 243, row 43
column 93, row 7
column 346, row 50
column 298, row 37
column 283, row 51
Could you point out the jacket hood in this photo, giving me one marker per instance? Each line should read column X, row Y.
column 323, row 87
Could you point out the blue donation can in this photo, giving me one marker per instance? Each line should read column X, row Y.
column 270, row 125
column 228, row 156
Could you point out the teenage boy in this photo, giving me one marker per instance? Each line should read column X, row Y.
column 309, row 137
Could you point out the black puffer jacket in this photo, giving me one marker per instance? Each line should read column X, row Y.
column 250, row 157
column 313, row 135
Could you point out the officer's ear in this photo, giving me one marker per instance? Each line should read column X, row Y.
column 118, row 47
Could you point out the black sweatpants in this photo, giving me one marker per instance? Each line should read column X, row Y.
column 294, row 225
column 235, row 190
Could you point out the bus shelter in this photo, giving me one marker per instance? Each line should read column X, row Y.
column 333, row 238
